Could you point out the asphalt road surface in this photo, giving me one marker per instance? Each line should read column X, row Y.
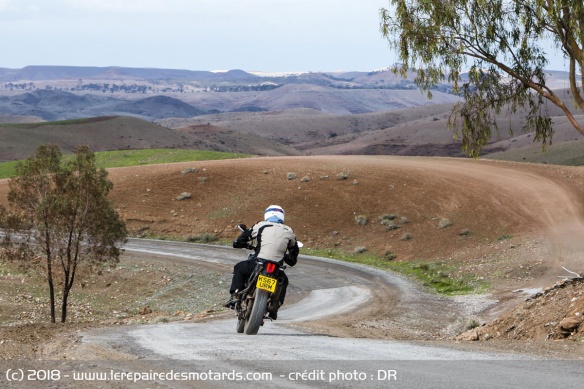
column 284, row 354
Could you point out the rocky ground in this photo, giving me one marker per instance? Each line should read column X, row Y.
column 138, row 291
column 556, row 313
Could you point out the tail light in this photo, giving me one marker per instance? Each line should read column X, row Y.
column 270, row 267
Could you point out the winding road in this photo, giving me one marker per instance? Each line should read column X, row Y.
column 286, row 354
column 293, row 353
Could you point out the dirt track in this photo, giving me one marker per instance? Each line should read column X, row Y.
column 539, row 208
column 489, row 199
column 553, row 210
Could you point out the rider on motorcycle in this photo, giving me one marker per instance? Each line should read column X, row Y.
column 274, row 241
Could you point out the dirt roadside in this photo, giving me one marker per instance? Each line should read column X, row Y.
column 537, row 208
column 63, row 341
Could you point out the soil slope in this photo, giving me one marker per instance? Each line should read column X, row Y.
column 514, row 225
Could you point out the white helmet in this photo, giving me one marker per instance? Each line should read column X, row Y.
column 274, row 214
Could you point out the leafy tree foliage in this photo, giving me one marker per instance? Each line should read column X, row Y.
column 63, row 217
column 503, row 43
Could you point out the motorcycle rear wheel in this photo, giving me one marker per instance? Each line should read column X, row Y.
column 253, row 323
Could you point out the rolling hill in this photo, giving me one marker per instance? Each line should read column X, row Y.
column 235, row 111
column 51, row 105
column 128, row 133
column 66, row 92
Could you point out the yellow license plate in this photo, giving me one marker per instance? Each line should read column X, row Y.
column 266, row 283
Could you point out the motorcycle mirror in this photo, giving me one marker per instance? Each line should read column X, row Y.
column 300, row 244
column 242, row 227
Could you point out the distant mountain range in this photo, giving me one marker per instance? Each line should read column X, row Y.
column 45, row 73
column 51, row 105
column 66, row 92
column 310, row 113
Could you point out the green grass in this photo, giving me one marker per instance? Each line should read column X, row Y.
column 57, row 123
column 562, row 153
column 3, row 270
column 437, row 276
column 123, row 158
column 109, row 159
column 7, row 169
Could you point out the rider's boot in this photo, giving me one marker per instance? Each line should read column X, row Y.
column 232, row 301
column 273, row 310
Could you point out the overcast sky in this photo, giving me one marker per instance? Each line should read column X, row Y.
column 252, row 35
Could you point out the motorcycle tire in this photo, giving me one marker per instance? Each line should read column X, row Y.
column 254, row 322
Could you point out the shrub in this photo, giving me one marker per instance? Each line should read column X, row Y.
column 291, row 176
column 360, row 250
column 189, row 170
column 404, row 220
column 464, row 232
column 443, row 223
column 305, row 179
column 390, row 226
column 406, row 236
column 423, row 266
column 504, row 237
column 388, row 217
column 142, row 232
column 184, row 196
column 205, row 237
column 389, row 255
column 388, row 220
column 342, row 176
column 361, row 220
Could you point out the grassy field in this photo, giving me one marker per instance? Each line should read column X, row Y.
column 122, row 158
column 7, row 169
column 564, row 153
column 57, row 123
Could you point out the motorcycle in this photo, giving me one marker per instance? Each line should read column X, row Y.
column 261, row 289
